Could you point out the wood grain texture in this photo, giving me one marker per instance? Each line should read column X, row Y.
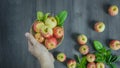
column 16, row 17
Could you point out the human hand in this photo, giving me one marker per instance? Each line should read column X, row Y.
column 37, row 49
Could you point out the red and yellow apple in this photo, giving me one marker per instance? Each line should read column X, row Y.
column 113, row 10
column 99, row 27
column 61, row 57
column 100, row 65
column 114, row 44
column 71, row 63
column 37, row 26
column 46, row 31
column 91, row 65
column 50, row 43
column 90, row 57
column 51, row 22
column 39, row 37
column 84, row 49
column 58, row 32
column 82, row 39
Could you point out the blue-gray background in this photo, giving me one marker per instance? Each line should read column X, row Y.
column 16, row 17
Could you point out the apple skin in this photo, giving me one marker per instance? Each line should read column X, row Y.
column 113, row 10
column 82, row 39
column 39, row 37
column 50, row 43
column 71, row 63
column 91, row 65
column 90, row 57
column 84, row 49
column 58, row 32
column 114, row 44
column 46, row 31
column 37, row 26
column 61, row 57
column 51, row 22
column 99, row 27
column 100, row 65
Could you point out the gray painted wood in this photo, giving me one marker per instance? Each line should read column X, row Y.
column 16, row 17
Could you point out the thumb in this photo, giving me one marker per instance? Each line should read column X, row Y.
column 31, row 38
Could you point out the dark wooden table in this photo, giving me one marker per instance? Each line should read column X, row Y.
column 16, row 17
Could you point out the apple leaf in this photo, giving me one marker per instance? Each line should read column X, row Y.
column 40, row 15
column 62, row 17
column 46, row 16
column 97, row 45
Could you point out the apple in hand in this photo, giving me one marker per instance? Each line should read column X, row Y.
column 71, row 63
column 84, row 49
column 99, row 27
column 46, row 31
column 90, row 57
column 50, row 43
column 114, row 44
column 61, row 57
column 82, row 39
column 51, row 22
column 39, row 37
column 100, row 65
column 113, row 10
column 58, row 32
column 37, row 26
column 91, row 65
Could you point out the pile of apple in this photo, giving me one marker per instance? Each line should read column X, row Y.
column 46, row 30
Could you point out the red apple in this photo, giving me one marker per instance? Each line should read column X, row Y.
column 58, row 32
column 37, row 26
column 100, row 65
column 114, row 44
column 61, row 57
column 91, row 65
column 90, row 57
column 113, row 10
column 71, row 63
column 46, row 31
column 50, row 43
column 51, row 22
column 39, row 37
column 84, row 49
column 82, row 39
column 99, row 27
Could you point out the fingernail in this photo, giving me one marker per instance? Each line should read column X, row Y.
column 26, row 34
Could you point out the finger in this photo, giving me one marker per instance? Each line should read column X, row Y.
column 31, row 38
column 30, row 46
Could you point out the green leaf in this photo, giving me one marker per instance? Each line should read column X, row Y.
column 46, row 16
column 57, row 18
column 62, row 17
column 40, row 15
column 97, row 45
column 112, row 65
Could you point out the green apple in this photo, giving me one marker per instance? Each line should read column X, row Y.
column 61, row 57
column 51, row 22
column 113, row 10
column 46, row 31
column 100, row 65
column 84, row 49
column 99, row 27
column 82, row 39
column 90, row 57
